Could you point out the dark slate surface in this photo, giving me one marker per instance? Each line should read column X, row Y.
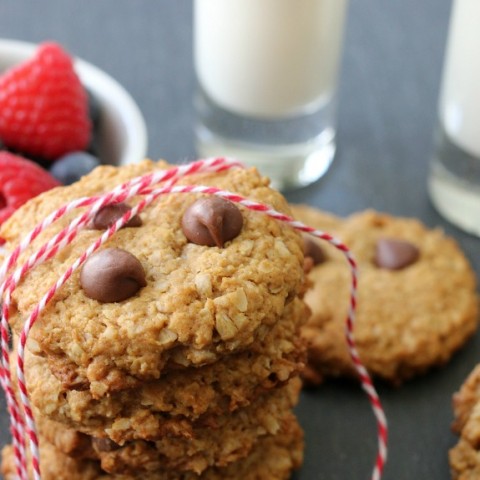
column 389, row 87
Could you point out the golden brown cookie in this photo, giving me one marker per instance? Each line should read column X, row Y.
column 273, row 458
column 217, row 441
column 465, row 456
column 464, row 461
column 187, row 394
column 199, row 303
column 416, row 297
column 465, row 399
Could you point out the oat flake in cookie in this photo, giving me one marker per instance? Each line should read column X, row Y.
column 414, row 310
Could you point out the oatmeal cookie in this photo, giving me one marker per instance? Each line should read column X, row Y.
column 274, row 458
column 465, row 456
column 217, row 441
column 146, row 411
column 179, row 302
column 416, row 297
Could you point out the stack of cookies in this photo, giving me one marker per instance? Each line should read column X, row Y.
column 174, row 352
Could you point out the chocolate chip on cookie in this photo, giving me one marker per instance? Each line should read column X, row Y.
column 313, row 250
column 112, row 275
column 308, row 264
column 393, row 254
column 104, row 445
column 109, row 214
column 212, row 221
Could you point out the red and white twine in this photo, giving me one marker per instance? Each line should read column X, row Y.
column 148, row 186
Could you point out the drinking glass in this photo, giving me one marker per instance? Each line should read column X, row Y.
column 267, row 78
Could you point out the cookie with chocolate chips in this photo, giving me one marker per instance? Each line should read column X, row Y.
column 189, row 280
column 416, row 297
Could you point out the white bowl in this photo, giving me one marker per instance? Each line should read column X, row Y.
column 122, row 135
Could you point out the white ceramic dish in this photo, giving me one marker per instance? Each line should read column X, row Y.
column 122, row 130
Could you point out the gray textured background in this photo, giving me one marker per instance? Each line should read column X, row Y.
column 388, row 93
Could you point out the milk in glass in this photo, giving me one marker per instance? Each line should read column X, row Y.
column 267, row 74
column 455, row 175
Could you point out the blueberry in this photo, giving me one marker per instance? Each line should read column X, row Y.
column 71, row 167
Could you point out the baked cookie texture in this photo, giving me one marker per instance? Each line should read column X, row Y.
column 194, row 373
column 217, row 441
column 408, row 320
column 193, row 394
column 274, row 458
column 465, row 456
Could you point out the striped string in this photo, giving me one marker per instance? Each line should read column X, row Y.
column 140, row 186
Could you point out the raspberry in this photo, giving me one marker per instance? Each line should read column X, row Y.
column 20, row 180
column 43, row 106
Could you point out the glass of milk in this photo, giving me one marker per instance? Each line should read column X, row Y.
column 454, row 181
column 267, row 77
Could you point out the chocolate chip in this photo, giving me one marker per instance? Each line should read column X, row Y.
column 112, row 275
column 212, row 221
column 104, row 445
column 393, row 254
column 308, row 265
column 313, row 250
column 109, row 214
